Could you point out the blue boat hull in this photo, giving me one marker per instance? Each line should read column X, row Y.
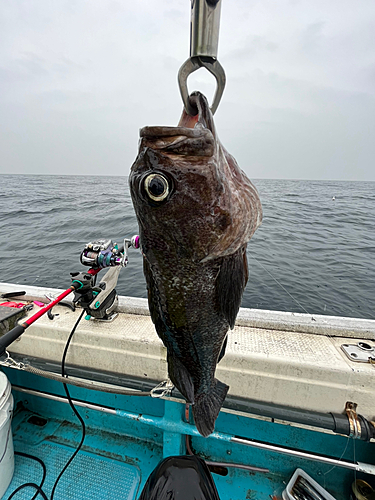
column 127, row 436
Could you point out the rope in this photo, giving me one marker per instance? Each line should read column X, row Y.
column 85, row 385
column 162, row 390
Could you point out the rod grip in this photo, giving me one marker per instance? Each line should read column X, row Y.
column 9, row 337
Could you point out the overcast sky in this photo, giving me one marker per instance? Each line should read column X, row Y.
column 78, row 79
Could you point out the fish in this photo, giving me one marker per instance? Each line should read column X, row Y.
column 196, row 211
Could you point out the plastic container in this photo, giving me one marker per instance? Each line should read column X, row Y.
column 287, row 493
column 6, row 439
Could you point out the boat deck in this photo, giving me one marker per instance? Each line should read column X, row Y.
column 126, row 441
column 280, row 359
column 91, row 476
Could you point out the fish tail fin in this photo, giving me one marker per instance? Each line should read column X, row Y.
column 206, row 407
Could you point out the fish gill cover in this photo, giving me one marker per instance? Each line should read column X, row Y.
column 196, row 211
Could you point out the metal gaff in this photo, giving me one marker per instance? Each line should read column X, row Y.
column 204, row 39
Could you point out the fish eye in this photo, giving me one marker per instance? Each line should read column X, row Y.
column 156, row 186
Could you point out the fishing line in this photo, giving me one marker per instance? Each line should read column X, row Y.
column 355, row 470
column 334, row 467
column 219, row 465
column 349, row 384
column 285, row 290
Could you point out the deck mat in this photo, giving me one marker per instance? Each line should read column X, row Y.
column 89, row 477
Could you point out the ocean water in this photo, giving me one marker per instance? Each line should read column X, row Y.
column 312, row 253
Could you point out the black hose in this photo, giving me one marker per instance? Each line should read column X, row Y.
column 33, row 485
column 336, row 422
column 71, row 405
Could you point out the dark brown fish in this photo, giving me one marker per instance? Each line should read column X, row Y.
column 196, row 211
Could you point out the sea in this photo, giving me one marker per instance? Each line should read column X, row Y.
column 314, row 252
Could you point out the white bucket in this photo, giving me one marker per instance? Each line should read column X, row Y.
column 6, row 439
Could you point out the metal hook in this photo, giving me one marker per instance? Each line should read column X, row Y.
column 10, row 363
column 163, row 389
column 204, row 40
column 191, row 65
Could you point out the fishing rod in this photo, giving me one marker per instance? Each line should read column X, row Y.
column 98, row 301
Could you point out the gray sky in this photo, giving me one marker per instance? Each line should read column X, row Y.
column 79, row 78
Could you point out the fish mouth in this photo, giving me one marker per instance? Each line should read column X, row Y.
column 160, row 132
column 194, row 135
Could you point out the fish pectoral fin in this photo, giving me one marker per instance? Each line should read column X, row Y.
column 230, row 284
column 207, row 406
column 181, row 378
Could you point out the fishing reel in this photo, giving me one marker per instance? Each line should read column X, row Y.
column 103, row 253
column 100, row 301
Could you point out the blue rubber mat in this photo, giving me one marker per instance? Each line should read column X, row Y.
column 89, row 477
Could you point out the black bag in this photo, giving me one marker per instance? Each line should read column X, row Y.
column 180, row 478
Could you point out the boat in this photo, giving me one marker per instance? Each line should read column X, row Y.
column 301, row 404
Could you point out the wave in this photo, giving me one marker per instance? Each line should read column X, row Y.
column 320, row 251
